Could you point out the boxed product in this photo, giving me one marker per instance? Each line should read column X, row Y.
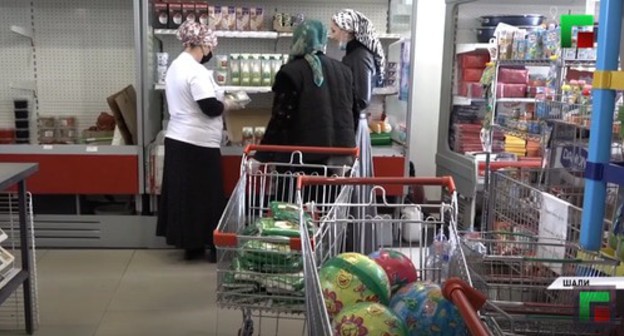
column 513, row 75
column 175, row 15
column 201, row 12
column 188, row 11
column 228, row 21
column 215, row 17
column 471, row 75
column 256, row 15
column 470, row 89
column 534, row 45
column 242, row 18
column 161, row 15
column 473, row 60
column 504, row 90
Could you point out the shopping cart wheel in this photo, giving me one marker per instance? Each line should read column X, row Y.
column 247, row 329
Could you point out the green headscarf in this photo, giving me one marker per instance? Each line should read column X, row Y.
column 309, row 38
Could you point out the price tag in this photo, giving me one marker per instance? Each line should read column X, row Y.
column 48, row 147
column 92, row 149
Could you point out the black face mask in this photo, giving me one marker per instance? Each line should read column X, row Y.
column 206, row 58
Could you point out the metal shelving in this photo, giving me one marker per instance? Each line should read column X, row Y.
column 271, row 35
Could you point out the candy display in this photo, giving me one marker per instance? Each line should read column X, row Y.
column 398, row 267
column 368, row 319
column 350, row 278
column 425, row 311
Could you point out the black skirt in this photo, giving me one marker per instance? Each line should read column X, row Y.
column 192, row 197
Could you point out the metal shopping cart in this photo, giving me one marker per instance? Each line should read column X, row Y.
column 260, row 268
column 532, row 240
column 336, row 223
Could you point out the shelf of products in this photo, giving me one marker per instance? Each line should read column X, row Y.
column 271, row 35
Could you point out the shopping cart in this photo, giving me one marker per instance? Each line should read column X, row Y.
column 337, row 222
column 532, row 240
column 259, row 269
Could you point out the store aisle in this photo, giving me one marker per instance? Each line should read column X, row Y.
column 131, row 293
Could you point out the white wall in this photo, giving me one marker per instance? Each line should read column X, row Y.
column 425, row 90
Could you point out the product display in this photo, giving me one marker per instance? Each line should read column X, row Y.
column 248, row 69
column 161, row 15
column 176, row 18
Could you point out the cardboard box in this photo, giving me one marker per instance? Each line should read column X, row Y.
column 161, row 15
column 256, row 18
column 471, row 75
column 513, row 76
column 473, row 60
column 123, row 104
column 243, row 19
column 215, row 17
column 228, row 21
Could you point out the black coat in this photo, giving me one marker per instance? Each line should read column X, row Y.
column 307, row 115
column 362, row 64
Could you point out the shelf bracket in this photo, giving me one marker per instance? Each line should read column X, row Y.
column 26, row 32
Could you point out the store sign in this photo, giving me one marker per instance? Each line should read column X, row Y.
column 573, row 157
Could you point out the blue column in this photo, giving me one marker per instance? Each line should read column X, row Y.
column 601, row 127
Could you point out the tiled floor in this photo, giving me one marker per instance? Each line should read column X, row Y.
column 133, row 293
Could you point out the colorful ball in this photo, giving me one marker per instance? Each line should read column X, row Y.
column 350, row 278
column 399, row 268
column 425, row 311
column 368, row 318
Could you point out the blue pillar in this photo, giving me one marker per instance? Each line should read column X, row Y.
column 601, row 127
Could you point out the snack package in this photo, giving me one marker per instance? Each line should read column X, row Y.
column 288, row 212
column 513, row 75
column 215, row 17
column 222, row 62
column 161, row 14
column 245, row 70
column 228, row 21
column 235, row 70
column 221, row 77
column 511, row 90
column 471, row 75
column 188, row 11
column 256, row 15
column 468, row 61
column 256, row 70
column 175, row 15
column 243, row 18
column 272, row 227
column 267, row 72
column 534, row 45
column 201, row 12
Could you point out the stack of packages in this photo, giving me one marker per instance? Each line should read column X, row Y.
column 512, row 82
column 465, row 128
column 471, row 66
column 266, row 270
column 515, row 145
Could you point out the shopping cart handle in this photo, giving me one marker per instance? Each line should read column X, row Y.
column 446, row 181
column 303, row 149
column 468, row 301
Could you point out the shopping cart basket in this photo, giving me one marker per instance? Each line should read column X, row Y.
column 337, row 222
column 533, row 240
column 259, row 262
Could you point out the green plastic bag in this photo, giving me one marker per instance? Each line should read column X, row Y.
column 280, row 228
column 288, row 212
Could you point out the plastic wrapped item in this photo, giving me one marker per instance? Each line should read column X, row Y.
column 470, row 89
column 534, row 45
column 473, row 60
column 235, row 70
column 471, row 75
column 272, row 227
column 288, row 212
column 513, row 75
column 511, row 90
column 438, row 259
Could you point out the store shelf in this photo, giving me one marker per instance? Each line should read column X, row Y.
column 69, row 149
column 545, row 62
column 269, row 35
column 385, row 91
column 460, row 100
column 247, row 89
column 392, row 150
column 462, row 48
column 518, row 133
column 515, row 100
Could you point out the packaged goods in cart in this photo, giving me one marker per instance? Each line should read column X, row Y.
column 161, row 15
column 202, row 14
column 243, row 18
column 288, row 212
column 438, row 259
column 235, row 70
column 256, row 18
column 188, row 12
column 175, row 15
column 215, row 17
column 283, row 228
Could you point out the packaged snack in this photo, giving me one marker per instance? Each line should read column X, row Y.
column 201, row 12
column 511, row 90
column 228, row 21
column 188, row 11
column 161, row 14
column 288, row 212
column 221, row 77
column 256, row 18
column 175, row 15
column 272, row 227
column 242, row 18
column 471, row 75
column 513, row 75
column 215, row 17
column 222, row 62
column 256, row 70
column 471, row 89
column 235, row 70
column 245, row 71
column 534, row 45
column 267, row 73
column 470, row 60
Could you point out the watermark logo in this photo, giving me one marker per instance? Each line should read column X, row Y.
column 595, row 304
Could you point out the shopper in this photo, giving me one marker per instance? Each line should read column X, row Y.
column 192, row 196
column 356, row 34
column 314, row 101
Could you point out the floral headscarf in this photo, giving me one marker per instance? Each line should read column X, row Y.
column 364, row 32
column 192, row 33
column 310, row 38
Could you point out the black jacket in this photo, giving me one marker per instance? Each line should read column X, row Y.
column 307, row 115
column 362, row 64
